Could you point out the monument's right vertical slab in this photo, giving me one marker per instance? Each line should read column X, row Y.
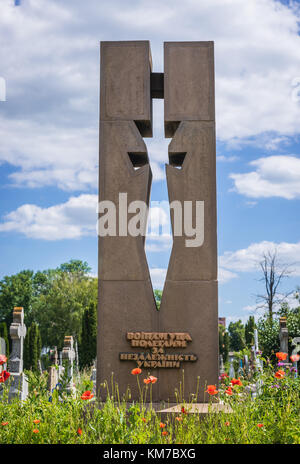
column 190, row 296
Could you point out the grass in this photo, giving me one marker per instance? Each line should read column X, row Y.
column 273, row 417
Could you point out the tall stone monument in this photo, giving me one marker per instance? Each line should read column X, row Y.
column 284, row 337
column 19, row 386
column 183, row 334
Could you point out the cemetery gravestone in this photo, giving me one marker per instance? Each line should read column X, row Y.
column 284, row 337
column 19, row 386
column 68, row 354
column 183, row 334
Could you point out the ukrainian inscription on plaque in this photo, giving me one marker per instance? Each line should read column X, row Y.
column 155, row 343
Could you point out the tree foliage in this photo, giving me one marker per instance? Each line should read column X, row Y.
column 237, row 335
column 32, row 348
column 88, row 343
column 249, row 331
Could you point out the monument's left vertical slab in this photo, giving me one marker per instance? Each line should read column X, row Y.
column 126, row 300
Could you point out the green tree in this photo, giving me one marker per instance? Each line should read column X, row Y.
column 237, row 335
column 158, row 297
column 32, row 348
column 4, row 335
column 223, row 342
column 88, row 344
column 16, row 290
column 249, row 331
column 59, row 311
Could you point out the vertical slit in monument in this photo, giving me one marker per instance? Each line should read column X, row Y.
column 158, row 240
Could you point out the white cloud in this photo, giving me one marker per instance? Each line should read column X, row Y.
column 71, row 220
column 50, row 60
column 224, row 275
column 158, row 276
column 247, row 259
column 274, row 176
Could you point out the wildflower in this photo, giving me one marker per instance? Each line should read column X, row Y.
column 87, row 395
column 260, row 425
column 281, row 356
column 147, row 381
column 279, row 374
column 229, row 391
column 4, row 376
column 224, row 375
column 227, row 424
column 281, row 364
column 164, row 433
column 295, row 358
column 136, row 371
column 36, row 421
column 178, row 418
column 183, row 410
column 275, row 386
column 211, row 390
column 236, row 382
column 4, row 424
column 144, row 420
column 152, row 379
column 79, row 431
column 3, row 359
column 162, row 425
column 36, row 431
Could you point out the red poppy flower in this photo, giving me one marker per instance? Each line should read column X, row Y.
column 164, row 433
column 224, row 375
column 143, row 419
column 162, row 425
column 87, row 395
column 227, row 424
column 79, row 431
column 236, row 382
column 229, row 391
column 279, row 374
column 152, row 379
column 36, row 431
column 183, row 410
column 36, row 421
column 3, row 359
column 211, row 390
column 260, row 425
column 4, row 376
column 295, row 358
column 4, row 423
column 147, row 381
column 136, row 371
column 281, row 356
column 178, row 418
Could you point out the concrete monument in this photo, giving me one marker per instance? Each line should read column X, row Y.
column 19, row 386
column 183, row 334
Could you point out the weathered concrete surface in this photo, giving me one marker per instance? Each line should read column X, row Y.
column 190, row 298
column 126, row 300
column 194, row 307
column 125, row 92
column 189, row 83
column 124, row 306
column 196, row 180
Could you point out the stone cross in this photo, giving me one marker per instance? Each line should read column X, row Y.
column 284, row 337
column 53, row 355
column 68, row 354
column 19, row 386
column 222, row 370
column 231, row 368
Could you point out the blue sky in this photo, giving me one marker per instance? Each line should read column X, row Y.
column 49, row 58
